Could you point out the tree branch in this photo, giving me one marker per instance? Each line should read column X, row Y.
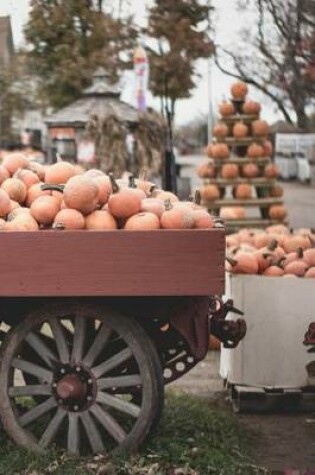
column 241, row 75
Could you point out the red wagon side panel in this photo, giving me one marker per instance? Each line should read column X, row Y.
column 113, row 263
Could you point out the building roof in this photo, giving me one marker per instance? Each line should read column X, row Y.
column 101, row 99
column 6, row 40
column 283, row 127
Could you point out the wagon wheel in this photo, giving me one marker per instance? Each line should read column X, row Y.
column 98, row 381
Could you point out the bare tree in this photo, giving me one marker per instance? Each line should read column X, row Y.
column 278, row 55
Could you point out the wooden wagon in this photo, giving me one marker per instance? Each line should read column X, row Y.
column 94, row 324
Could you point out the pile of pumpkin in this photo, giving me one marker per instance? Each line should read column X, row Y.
column 65, row 196
column 231, row 171
column 274, row 252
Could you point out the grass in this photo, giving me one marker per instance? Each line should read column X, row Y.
column 192, row 436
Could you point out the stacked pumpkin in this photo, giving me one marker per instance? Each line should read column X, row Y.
column 65, row 196
column 240, row 130
column 275, row 252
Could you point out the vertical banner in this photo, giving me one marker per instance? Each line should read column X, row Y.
column 141, row 69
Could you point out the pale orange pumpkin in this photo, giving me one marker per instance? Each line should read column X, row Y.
column 177, row 217
column 267, row 148
column 34, row 192
column 5, row 205
column 4, row 174
column 276, row 191
column 153, row 205
column 202, row 219
column 28, row 177
column 124, row 202
column 220, row 151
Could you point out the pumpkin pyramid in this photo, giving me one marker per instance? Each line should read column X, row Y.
column 239, row 177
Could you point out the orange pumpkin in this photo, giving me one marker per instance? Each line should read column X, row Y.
column 267, row 148
column 23, row 222
column 15, row 189
column 100, row 220
column 239, row 90
column 14, row 161
column 276, row 191
column 271, row 171
column 202, row 219
column 220, row 130
column 226, row 109
column 229, row 171
column 4, row 174
column 177, row 217
column 124, row 202
column 254, row 150
column 81, row 193
column 243, row 191
column 250, row 170
column 59, row 173
column 243, row 263
column 5, row 205
column 232, row 212
column 206, row 170
column 69, row 219
column 28, row 177
column 310, row 273
column 251, row 108
column 38, row 168
column 260, row 128
column 44, row 209
column 144, row 221
column 240, row 130
column 209, row 193
column 166, row 195
column 210, row 150
column 153, row 205
column 309, row 257
column 274, row 271
column 34, row 192
column 277, row 212
column 105, row 188
column 220, row 151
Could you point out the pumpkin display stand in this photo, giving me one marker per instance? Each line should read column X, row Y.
column 241, row 170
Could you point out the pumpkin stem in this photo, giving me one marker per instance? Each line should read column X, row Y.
column 280, row 262
column 114, row 184
column 151, row 189
column 47, row 187
column 168, row 205
column 131, row 181
column 231, row 261
column 272, row 245
column 197, row 198
column 300, row 252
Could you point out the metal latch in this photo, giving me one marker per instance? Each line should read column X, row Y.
column 229, row 332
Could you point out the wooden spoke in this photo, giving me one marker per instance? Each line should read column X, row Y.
column 34, row 369
column 41, row 348
column 119, row 381
column 98, row 344
column 73, row 443
column 112, row 362
column 37, row 411
column 92, row 432
column 52, row 428
column 30, row 390
column 119, row 404
column 109, row 423
column 78, row 339
column 60, row 338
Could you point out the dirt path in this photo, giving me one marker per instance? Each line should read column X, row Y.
column 283, row 441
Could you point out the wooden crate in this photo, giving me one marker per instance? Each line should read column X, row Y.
column 112, row 263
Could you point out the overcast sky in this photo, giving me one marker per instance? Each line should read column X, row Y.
column 227, row 27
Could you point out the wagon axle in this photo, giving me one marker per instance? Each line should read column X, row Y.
column 74, row 387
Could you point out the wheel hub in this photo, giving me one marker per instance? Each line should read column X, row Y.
column 74, row 387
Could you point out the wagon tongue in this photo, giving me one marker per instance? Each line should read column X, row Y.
column 71, row 387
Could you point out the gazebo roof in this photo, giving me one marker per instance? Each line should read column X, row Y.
column 101, row 99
